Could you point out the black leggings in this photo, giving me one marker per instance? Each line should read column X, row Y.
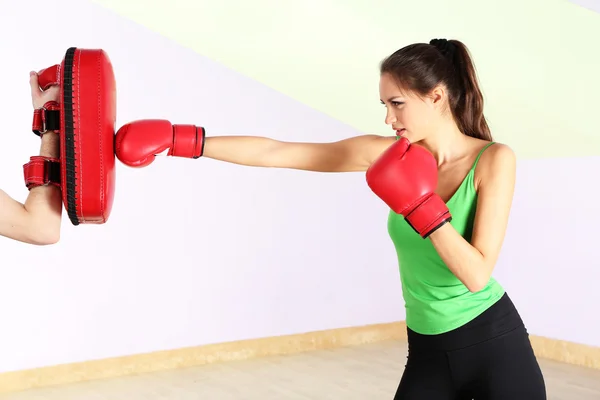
column 490, row 358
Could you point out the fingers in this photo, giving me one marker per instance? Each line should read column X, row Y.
column 34, row 84
column 35, row 89
column 33, row 80
column 39, row 96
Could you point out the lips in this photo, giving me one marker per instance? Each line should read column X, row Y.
column 399, row 132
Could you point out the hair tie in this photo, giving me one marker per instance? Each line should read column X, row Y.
column 444, row 46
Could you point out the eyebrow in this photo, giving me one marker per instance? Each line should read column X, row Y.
column 391, row 99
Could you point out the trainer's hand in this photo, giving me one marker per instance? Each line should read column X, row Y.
column 40, row 97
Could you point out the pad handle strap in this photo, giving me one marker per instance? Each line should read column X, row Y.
column 41, row 171
column 47, row 118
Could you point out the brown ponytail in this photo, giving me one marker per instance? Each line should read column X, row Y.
column 421, row 67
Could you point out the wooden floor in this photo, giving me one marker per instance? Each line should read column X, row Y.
column 369, row 372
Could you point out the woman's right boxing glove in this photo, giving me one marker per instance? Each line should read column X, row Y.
column 405, row 178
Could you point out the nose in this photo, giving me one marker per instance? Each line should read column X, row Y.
column 390, row 118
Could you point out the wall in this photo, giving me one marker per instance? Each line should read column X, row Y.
column 200, row 252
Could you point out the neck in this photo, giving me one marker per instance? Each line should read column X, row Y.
column 447, row 144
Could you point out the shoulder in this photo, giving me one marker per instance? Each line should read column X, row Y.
column 497, row 165
column 498, row 157
column 379, row 141
column 498, row 152
column 374, row 145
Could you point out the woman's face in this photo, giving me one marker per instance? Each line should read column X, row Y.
column 411, row 116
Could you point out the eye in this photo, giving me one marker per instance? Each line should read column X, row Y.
column 397, row 103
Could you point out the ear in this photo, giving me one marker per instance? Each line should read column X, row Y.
column 437, row 96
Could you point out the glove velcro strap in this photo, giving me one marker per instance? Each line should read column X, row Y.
column 41, row 171
column 429, row 216
column 46, row 118
column 188, row 141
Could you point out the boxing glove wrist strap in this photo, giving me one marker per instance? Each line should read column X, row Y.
column 429, row 216
column 188, row 141
column 41, row 171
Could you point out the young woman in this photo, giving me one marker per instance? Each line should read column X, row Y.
column 450, row 190
column 38, row 220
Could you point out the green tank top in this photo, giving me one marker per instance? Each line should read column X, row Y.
column 436, row 300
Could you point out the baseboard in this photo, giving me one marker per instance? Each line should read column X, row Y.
column 242, row 350
column 566, row 352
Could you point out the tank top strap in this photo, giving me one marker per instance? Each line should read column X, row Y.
column 479, row 155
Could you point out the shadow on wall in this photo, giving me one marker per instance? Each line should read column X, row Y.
column 593, row 5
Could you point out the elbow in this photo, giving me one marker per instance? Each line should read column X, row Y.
column 474, row 288
column 477, row 284
column 45, row 238
column 43, row 231
column 49, row 240
column 45, row 241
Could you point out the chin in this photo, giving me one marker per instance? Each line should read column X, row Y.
column 415, row 138
column 412, row 139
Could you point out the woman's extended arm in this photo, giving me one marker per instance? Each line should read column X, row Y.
column 348, row 155
column 38, row 220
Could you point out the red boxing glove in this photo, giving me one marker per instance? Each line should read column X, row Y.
column 405, row 178
column 137, row 143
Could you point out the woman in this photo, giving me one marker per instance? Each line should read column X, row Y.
column 38, row 220
column 466, row 338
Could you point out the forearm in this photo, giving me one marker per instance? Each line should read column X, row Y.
column 348, row 155
column 44, row 203
column 465, row 261
column 252, row 151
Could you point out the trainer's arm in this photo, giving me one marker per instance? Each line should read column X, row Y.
column 38, row 220
column 348, row 155
column 473, row 263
